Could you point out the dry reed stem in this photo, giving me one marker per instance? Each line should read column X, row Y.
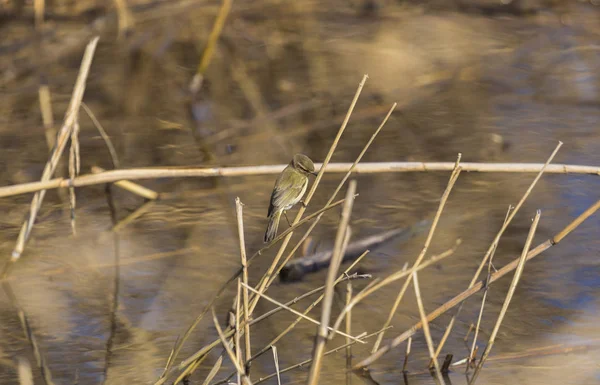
column 276, row 361
column 336, row 259
column 238, row 350
column 308, row 361
column 193, row 367
column 459, row 298
column 363, row 168
column 24, row 371
column 180, row 342
column 480, row 316
column 63, row 136
column 109, row 145
column 342, row 278
column 348, row 331
column 240, row 222
column 406, row 355
column 231, row 354
column 39, row 7
column 213, row 372
column 426, row 331
column 264, row 281
column 217, row 28
column 509, row 295
column 453, row 178
column 132, row 187
column 274, row 301
column 367, row 291
column 495, row 242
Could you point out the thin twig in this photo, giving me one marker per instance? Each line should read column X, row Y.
column 74, row 168
column 231, row 354
column 336, row 259
column 509, row 295
column 480, row 316
column 426, row 331
column 109, row 145
column 63, row 136
column 238, row 350
column 274, row 301
column 308, row 361
column 495, row 242
column 458, row 299
column 367, row 291
column 453, row 178
column 240, row 221
column 348, row 331
column 363, row 168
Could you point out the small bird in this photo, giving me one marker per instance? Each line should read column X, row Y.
column 289, row 188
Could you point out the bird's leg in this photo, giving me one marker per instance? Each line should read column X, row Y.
column 286, row 218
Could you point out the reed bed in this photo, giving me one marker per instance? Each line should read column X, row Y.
column 234, row 344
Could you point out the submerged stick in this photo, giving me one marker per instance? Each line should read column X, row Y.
column 458, row 299
column 509, row 295
column 297, row 268
column 363, row 168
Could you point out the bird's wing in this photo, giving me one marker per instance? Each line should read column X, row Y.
column 285, row 193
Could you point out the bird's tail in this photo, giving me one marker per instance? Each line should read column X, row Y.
column 272, row 226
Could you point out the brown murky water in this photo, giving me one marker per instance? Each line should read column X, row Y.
column 490, row 82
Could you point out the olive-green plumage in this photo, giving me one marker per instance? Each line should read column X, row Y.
column 289, row 188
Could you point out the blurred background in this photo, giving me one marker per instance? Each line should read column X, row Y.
column 498, row 81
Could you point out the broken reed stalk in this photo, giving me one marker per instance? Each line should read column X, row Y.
column 480, row 316
column 509, row 295
column 367, row 291
column 180, row 342
column 217, row 28
column 231, row 354
column 336, row 259
column 274, row 301
column 426, row 331
column 332, row 168
column 276, row 362
column 348, row 331
column 308, row 361
column 459, row 298
column 495, row 242
column 63, row 136
column 132, row 187
column 263, row 285
column 453, row 178
column 240, row 221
